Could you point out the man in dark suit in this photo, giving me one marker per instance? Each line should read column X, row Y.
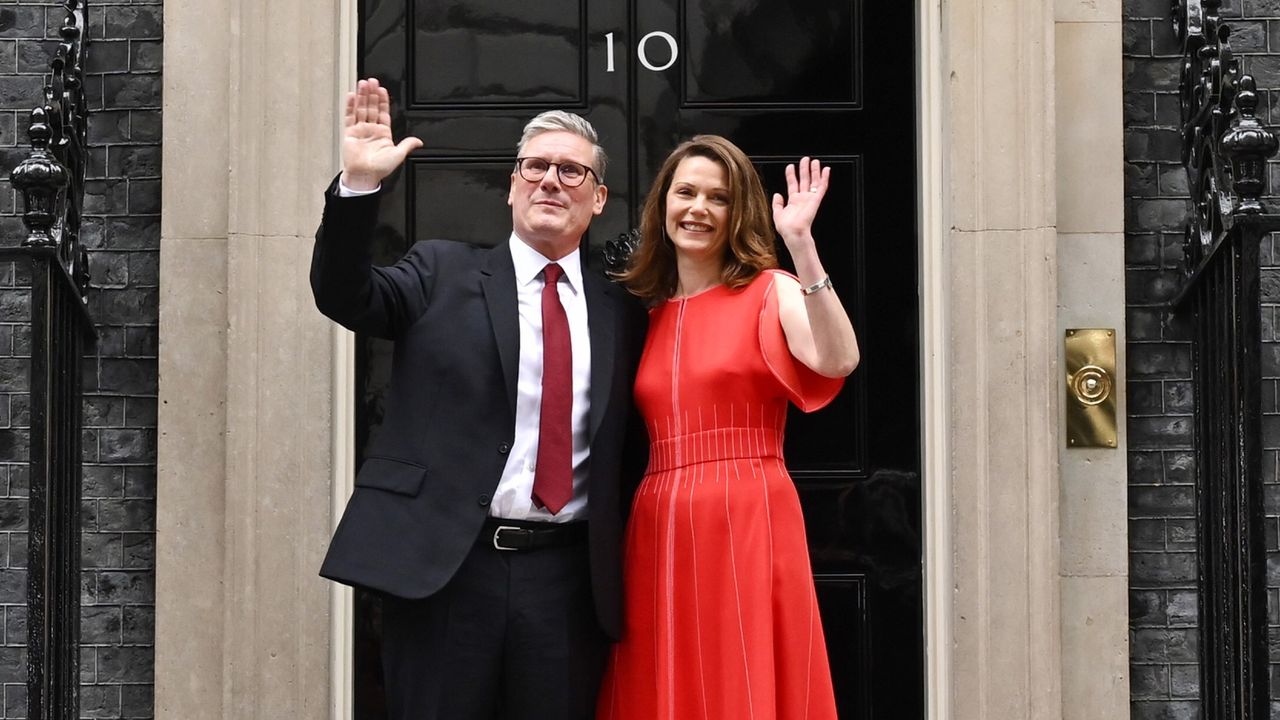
column 489, row 512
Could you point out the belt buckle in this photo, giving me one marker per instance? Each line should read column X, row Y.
column 498, row 532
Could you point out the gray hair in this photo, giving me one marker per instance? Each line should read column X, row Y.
column 561, row 121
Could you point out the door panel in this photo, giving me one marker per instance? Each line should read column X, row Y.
column 744, row 53
column 829, row 78
column 462, row 54
column 452, row 184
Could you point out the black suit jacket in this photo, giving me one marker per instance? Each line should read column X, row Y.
column 424, row 489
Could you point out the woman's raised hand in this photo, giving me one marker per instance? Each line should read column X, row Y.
column 793, row 216
column 369, row 153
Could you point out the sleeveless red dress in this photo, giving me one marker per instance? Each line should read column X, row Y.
column 721, row 620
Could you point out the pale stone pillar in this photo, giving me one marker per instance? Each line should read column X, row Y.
column 1094, row 488
column 1003, row 369
column 246, row 362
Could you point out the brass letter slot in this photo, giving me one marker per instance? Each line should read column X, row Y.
column 1091, row 387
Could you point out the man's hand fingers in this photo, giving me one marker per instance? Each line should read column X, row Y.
column 371, row 100
column 362, row 102
column 409, row 144
column 369, row 151
column 384, row 107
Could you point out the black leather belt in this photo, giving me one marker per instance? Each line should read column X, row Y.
column 522, row 535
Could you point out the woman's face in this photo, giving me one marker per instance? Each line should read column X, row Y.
column 698, row 205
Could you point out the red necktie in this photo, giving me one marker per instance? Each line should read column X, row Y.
column 553, row 478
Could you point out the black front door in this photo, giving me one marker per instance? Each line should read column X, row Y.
column 828, row 78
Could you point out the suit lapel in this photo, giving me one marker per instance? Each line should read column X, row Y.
column 499, row 283
column 601, row 324
column 498, row 279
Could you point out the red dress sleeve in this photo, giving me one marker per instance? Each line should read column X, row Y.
column 806, row 388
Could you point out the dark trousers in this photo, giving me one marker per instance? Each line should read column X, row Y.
column 513, row 636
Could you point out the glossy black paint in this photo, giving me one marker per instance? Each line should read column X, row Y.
column 829, row 78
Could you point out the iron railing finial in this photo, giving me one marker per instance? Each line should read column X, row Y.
column 41, row 179
column 1248, row 145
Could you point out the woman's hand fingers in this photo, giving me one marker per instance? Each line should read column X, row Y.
column 807, row 183
column 810, row 177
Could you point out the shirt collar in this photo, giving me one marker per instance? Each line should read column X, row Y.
column 529, row 264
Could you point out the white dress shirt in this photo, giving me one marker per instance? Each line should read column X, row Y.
column 513, row 498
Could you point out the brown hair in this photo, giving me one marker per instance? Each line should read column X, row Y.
column 651, row 271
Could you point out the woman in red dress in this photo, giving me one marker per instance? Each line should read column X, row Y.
column 721, row 620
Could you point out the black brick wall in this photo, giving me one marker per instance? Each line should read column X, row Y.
column 1164, row 642
column 122, row 230
column 1164, row 679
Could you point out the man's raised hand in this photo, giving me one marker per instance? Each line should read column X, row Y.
column 368, row 152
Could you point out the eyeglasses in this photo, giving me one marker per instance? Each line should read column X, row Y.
column 571, row 174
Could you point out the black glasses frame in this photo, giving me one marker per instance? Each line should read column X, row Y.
column 563, row 181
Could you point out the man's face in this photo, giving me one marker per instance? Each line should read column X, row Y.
column 548, row 215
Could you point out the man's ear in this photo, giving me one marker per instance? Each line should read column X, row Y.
column 601, row 195
column 511, row 189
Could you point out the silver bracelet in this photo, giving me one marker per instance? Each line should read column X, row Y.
column 823, row 283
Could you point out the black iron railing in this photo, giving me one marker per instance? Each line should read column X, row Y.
column 51, row 181
column 1225, row 151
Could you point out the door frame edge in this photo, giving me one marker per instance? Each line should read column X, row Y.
column 931, row 216
column 342, row 482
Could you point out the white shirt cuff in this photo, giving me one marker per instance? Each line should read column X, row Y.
column 344, row 191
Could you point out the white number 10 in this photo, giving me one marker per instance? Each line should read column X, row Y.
column 640, row 50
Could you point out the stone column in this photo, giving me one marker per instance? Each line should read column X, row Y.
column 246, row 362
column 1002, row 355
column 1091, row 293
